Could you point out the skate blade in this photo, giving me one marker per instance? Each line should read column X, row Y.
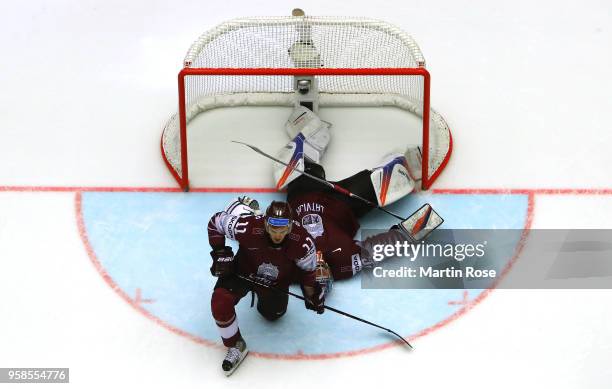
column 244, row 354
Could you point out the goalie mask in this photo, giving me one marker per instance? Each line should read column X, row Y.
column 278, row 221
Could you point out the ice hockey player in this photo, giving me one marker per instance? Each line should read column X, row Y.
column 331, row 217
column 273, row 250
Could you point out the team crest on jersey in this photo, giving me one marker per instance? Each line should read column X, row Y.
column 313, row 224
column 160, row 301
column 267, row 271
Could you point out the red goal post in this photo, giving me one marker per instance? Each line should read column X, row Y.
column 222, row 69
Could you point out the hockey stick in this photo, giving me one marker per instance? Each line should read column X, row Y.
column 325, row 306
column 333, row 186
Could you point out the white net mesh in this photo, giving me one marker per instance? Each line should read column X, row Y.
column 339, row 43
column 304, row 42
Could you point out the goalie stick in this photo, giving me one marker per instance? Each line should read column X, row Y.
column 325, row 306
column 335, row 187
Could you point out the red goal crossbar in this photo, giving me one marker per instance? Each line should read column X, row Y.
column 183, row 179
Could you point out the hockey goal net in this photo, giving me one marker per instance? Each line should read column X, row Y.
column 256, row 62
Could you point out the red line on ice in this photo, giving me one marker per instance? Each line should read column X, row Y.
column 464, row 301
column 138, row 300
column 299, row 356
column 78, row 202
column 475, row 191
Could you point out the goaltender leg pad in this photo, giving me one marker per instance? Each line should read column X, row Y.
column 414, row 157
column 421, row 223
column 415, row 228
column 315, row 131
column 293, row 155
column 392, row 180
column 310, row 137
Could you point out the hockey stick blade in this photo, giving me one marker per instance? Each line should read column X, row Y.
column 325, row 306
column 320, row 180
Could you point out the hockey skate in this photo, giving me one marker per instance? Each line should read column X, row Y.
column 234, row 357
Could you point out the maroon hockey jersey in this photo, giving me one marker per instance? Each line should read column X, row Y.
column 294, row 259
column 333, row 225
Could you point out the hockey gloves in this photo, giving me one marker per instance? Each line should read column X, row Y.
column 316, row 300
column 223, row 261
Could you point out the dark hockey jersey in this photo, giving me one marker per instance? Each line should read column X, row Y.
column 333, row 225
column 293, row 259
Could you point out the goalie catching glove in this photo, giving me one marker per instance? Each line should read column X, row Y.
column 223, row 261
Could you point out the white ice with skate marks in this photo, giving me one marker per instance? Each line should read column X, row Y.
column 525, row 87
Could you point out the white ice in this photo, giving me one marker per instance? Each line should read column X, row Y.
column 87, row 85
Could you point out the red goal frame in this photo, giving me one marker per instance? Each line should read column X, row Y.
column 427, row 180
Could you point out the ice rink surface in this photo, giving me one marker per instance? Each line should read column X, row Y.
column 87, row 87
